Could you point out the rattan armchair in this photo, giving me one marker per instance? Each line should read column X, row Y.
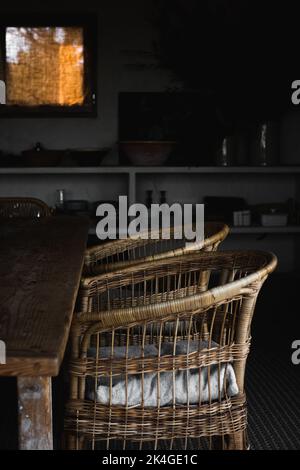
column 23, row 207
column 129, row 252
column 145, row 371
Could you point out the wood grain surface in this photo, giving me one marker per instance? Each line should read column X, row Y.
column 35, row 413
column 40, row 268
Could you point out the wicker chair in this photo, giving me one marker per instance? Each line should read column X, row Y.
column 152, row 310
column 128, row 252
column 23, row 207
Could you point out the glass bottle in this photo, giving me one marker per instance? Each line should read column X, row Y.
column 163, row 197
column 60, row 198
column 226, row 153
column 149, row 199
column 265, row 144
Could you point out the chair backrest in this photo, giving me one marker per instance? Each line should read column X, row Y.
column 121, row 253
column 23, row 207
column 165, row 291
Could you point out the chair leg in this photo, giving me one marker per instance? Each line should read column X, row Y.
column 80, row 443
column 70, row 442
column 219, row 442
column 73, row 443
column 237, row 441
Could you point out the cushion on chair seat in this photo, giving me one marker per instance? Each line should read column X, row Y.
column 193, row 386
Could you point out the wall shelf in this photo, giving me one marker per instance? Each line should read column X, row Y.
column 288, row 229
column 255, row 230
column 151, row 169
column 188, row 184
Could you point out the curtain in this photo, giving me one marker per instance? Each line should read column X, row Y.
column 45, row 66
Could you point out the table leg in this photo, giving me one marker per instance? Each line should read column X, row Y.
column 35, row 413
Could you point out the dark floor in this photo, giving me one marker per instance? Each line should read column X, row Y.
column 273, row 382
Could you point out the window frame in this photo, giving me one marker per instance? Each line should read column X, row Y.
column 89, row 24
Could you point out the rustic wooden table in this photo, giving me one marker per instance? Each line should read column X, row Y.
column 40, row 268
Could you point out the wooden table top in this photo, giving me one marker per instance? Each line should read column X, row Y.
column 40, row 268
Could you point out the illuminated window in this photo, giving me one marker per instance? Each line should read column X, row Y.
column 49, row 68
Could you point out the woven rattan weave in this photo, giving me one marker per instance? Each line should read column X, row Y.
column 158, row 303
